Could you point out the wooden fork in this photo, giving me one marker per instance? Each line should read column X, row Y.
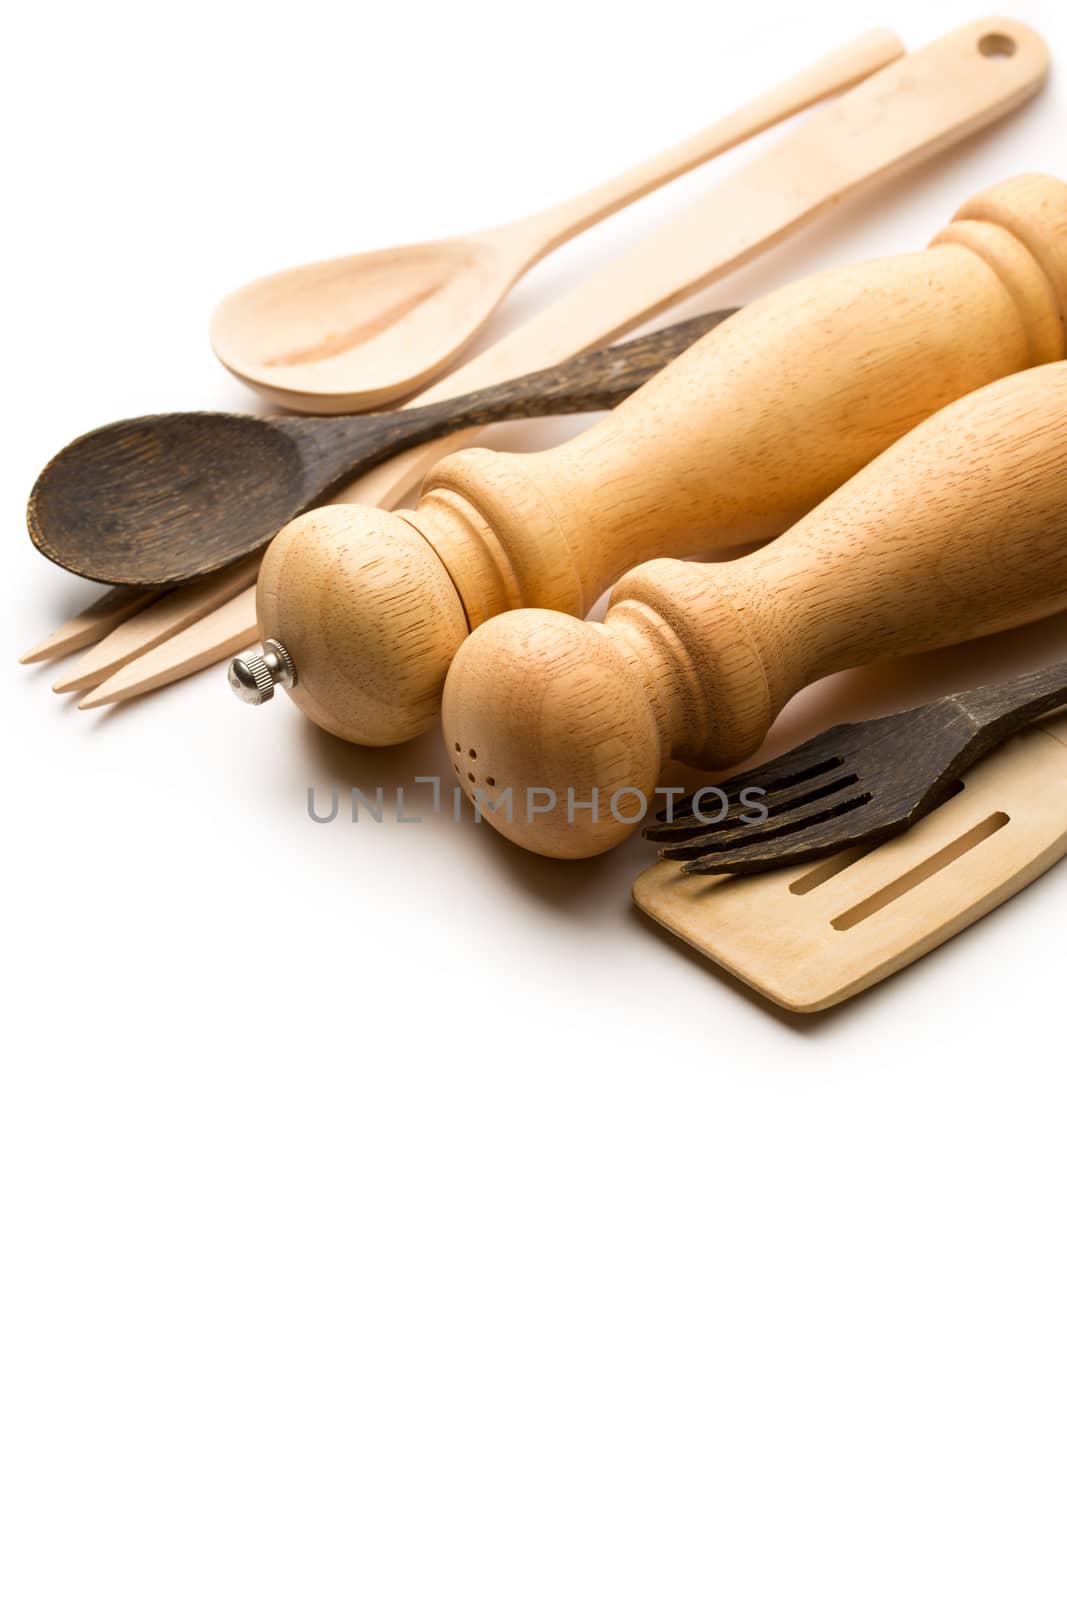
column 855, row 785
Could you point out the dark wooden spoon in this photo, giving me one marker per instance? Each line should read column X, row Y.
column 168, row 498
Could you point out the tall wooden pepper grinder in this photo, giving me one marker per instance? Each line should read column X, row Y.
column 363, row 609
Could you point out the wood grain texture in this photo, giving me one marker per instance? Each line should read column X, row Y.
column 810, row 938
column 749, row 428
column 955, row 531
column 362, row 331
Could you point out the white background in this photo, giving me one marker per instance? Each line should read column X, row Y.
column 385, row 1213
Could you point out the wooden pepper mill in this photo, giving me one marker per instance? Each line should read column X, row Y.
column 559, row 728
column 363, row 609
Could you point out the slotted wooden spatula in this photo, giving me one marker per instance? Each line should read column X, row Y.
column 811, row 936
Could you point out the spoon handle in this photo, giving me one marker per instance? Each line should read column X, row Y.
column 596, row 381
column 841, row 69
column 335, row 449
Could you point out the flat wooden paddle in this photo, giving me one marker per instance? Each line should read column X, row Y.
column 360, row 332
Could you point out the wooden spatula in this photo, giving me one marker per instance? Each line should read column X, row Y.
column 809, row 937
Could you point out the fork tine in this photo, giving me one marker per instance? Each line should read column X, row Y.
column 815, row 784
column 806, row 763
column 212, row 639
column 90, row 625
column 795, row 768
column 782, row 772
column 775, row 834
column 178, row 609
column 824, row 833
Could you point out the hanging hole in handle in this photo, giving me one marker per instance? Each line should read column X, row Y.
column 997, row 45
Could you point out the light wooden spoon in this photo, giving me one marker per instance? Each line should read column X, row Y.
column 359, row 332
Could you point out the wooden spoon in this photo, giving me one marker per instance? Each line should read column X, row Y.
column 359, row 332
column 161, row 500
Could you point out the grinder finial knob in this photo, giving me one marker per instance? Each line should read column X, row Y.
column 254, row 673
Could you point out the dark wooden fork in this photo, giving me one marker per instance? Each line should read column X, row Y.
column 856, row 784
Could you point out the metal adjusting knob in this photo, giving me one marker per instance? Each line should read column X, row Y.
column 253, row 674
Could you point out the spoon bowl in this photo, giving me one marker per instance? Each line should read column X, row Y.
column 358, row 332
column 124, row 503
